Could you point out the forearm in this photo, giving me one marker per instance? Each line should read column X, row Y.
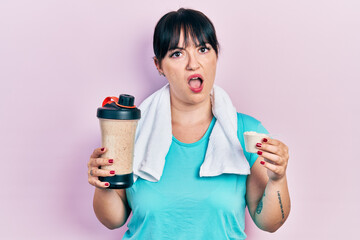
column 110, row 207
column 274, row 206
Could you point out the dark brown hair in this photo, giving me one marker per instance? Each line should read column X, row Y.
column 193, row 23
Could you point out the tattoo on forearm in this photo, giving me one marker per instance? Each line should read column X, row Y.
column 260, row 205
column 281, row 206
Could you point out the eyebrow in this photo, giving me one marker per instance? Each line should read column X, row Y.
column 174, row 48
column 181, row 48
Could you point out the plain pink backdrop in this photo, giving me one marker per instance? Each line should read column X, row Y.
column 294, row 65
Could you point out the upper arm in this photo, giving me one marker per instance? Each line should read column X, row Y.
column 255, row 185
column 122, row 195
column 257, row 180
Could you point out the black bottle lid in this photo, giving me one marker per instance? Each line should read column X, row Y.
column 121, row 108
column 119, row 181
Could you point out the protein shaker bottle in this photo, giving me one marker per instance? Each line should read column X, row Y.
column 118, row 121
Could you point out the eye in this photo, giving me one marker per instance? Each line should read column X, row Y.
column 204, row 49
column 175, row 54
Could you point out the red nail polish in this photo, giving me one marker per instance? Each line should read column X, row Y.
column 259, row 152
column 262, row 162
column 102, row 149
column 107, row 184
column 111, row 160
column 265, row 140
column 258, row 144
column 112, row 172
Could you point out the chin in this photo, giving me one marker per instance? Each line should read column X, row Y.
column 200, row 97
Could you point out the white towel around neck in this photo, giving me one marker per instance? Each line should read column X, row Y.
column 224, row 153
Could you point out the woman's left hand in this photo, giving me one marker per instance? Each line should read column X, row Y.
column 276, row 156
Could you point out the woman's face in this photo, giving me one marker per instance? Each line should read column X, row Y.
column 190, row 71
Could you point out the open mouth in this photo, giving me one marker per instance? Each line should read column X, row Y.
column 195, row 82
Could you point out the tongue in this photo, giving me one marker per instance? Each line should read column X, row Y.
column 195, row 83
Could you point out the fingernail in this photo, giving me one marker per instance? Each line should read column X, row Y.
column 265, row 140
column 259, row 152
column 112, row 172
column 102, row 149
column 111, row 160
column 258, row 144
column 262, row 162
column 107, row 184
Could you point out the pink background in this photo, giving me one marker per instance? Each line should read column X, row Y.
column 294, row 65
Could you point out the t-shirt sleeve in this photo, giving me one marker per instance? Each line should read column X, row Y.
column 248, row 123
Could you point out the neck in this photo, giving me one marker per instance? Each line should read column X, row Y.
column 190, row 114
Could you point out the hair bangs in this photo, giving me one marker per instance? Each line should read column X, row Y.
column 189, row 32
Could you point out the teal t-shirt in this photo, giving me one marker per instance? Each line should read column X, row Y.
column 183, row 205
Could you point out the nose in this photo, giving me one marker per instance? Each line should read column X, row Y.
column 192, row 63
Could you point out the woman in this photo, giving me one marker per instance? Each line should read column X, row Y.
column 182, row 204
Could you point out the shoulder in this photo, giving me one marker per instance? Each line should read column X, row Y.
column 246, row 117
column 247, row 122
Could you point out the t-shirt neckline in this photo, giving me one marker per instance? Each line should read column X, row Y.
column 206, row 135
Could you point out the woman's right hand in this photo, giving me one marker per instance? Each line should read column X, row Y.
column 94, row 171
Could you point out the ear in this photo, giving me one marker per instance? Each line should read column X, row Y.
column 158, row 66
